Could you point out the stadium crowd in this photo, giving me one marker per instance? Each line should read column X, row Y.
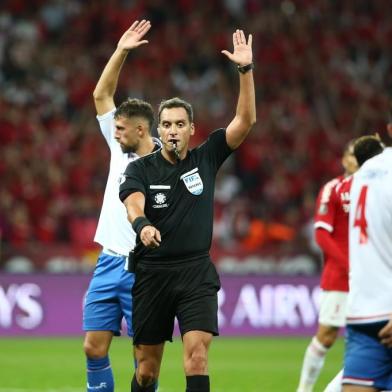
column 323, row 72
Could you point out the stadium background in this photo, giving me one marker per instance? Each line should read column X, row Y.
column 322, row 78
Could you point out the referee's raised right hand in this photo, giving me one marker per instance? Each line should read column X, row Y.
column 150, row 236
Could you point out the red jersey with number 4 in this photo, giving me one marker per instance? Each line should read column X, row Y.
column 332, row 208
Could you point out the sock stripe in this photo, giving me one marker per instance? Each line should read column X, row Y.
column 98, row 370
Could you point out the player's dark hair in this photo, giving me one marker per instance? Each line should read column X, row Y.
column 367, row 147
column 134, row 107
column 176, row 103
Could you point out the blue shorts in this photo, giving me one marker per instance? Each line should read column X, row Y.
column 366, row 361
column 108, row 297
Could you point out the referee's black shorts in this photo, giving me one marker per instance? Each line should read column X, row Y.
column 186, row 290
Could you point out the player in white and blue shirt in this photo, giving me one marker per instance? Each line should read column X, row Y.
column 127, row 131
column 368, row 357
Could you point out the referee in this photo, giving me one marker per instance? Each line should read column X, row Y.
column 169, row 199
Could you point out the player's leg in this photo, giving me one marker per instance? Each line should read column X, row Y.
column 315, row 356
column 149, row 358
column 196, row 345
column 335, row 384
column 99, row 372
column 332, row 316
column 101, row 320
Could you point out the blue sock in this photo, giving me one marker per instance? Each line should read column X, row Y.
column 99, row 375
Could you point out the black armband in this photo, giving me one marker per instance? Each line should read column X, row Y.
column 245, row 68
column 139, row 223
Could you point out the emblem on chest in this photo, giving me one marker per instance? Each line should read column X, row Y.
column 160, row 197
column 193, row 182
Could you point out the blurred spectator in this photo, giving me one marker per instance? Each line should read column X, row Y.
column 323, row 72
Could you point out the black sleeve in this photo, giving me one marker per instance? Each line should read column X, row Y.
column 217, row 148
column 133, row 180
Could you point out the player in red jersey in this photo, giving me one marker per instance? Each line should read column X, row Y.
column 331, row 228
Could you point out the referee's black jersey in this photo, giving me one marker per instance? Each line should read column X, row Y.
column 179, row 198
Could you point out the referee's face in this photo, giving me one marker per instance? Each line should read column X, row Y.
column 128, row 132
column 175, row 129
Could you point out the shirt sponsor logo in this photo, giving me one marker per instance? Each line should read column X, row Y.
column 193, row 182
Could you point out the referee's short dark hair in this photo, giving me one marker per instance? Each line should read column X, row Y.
column 367, row 147
column 134, row 107
column 176, row 103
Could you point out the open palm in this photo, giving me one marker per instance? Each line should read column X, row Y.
column 132, row 38
column 242, row 53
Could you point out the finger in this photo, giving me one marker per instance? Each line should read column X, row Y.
column 143, row 24
column 238, row 33
column 250, row 39
column 227, row 54
column 133, row 25
column 385, row 331
column 158, row 235
column 146, row 242
column 242, row 37
column 386, row 342
column 149, row 242
column 141, row 43
column 235, row 39
column 144, row 29
column 154, row 243
column 140, row 25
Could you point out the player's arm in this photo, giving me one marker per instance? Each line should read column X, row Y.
column 245, row 115
column 149, row 235
column 107, row 83
column 325, row 221
column 328, row 245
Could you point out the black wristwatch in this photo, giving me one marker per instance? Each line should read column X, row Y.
column 245, row 68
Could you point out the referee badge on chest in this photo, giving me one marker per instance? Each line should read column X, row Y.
column 159, row 195
column 193, row 182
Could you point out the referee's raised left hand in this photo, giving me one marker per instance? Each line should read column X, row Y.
column 242, row 50
column 150, row 236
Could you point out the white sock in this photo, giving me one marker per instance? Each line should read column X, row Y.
column 336, row 384
column 312, row 365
